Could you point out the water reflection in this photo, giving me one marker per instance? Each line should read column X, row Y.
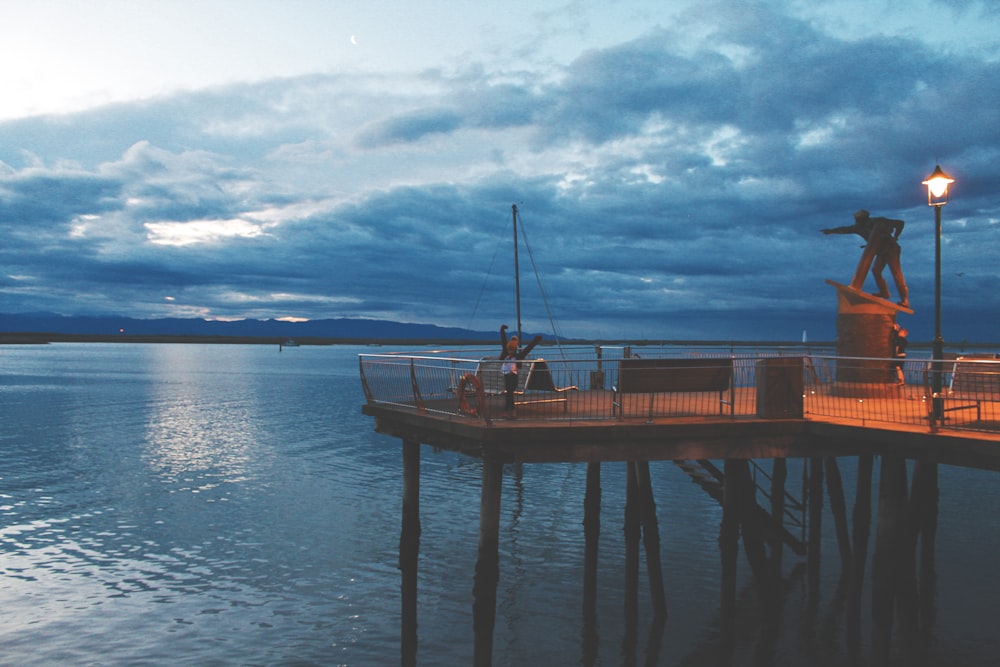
column 201, row 434
column 104, row 561
column 760, row 615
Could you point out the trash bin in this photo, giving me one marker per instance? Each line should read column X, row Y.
column 597, row 379
column 779, row 388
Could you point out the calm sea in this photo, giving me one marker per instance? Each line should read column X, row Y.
column 230, row 505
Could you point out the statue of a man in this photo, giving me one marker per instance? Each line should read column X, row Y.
column 882, row 248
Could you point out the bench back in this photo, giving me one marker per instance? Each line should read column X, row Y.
column 492, row 379
column 532, row 374
column 640, row 376
column 976, row 377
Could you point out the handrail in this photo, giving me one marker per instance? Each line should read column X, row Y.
column 842, row 388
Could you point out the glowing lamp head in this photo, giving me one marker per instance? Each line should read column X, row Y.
column 937, row 187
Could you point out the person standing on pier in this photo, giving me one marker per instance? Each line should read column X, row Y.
column 899, row 351
column 882, row 248
column 509, row 356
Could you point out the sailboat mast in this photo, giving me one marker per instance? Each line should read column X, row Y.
column 517, row 274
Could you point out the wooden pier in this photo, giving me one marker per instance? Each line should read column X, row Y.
column 738, row 441
column 528, row 439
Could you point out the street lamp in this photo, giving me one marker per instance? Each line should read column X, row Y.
column 938, row 186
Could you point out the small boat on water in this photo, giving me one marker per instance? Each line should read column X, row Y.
column 288, row 342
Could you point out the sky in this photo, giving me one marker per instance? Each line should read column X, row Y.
column 672, row 161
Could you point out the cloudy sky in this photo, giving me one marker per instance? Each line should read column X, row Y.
column 672, row 161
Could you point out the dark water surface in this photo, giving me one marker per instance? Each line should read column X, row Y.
column 230, row 505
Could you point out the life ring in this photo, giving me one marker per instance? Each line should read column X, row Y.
column 463, row 396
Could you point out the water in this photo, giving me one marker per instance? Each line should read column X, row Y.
column 230, row 505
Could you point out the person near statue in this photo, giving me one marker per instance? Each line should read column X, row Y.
column 881, row 249
column 510, row 356
column 899, row 339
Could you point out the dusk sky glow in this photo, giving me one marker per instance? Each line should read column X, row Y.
column 673, row 162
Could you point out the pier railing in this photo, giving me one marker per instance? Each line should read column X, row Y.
column 588, row 387
column 869, row 390
column 566, row 388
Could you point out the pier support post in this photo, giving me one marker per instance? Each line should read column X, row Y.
column 591, row 536
column 862, row 521
column 409, row 550
column 484, row 590
column 835, row 491
column 633, row 523
column 885, row 560
column 915, row 597
column 815, row 525
column 651, row 538
column 729, row 536
column 779, row 475
column 924, row 500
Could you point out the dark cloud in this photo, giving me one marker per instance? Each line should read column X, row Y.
column 409, row 127
column 669, row 187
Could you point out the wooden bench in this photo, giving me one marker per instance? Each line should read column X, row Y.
column 534, row 382
column 974, row 380
column 657, row 376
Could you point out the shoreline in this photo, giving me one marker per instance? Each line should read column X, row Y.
column 44, row 338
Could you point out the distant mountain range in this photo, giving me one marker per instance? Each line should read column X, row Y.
column 110, row 326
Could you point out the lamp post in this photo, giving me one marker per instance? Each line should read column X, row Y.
column 938, row 186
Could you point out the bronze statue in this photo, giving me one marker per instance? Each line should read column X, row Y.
column 882, row 248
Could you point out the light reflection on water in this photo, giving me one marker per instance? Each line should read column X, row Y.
column 217, row 505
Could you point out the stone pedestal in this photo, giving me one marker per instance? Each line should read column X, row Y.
column 864, row 332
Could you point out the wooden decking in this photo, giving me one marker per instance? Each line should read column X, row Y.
column 848, row 426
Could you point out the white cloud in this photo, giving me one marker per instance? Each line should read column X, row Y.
column 200, row 231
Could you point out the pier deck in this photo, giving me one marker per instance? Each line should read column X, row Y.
column 777, row 407
column 534, row 437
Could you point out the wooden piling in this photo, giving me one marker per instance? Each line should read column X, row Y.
column 924, row 499
column 633, row 524
column 906, row 587
column 891, row 515
column 487, row 577
column 752, row 525
column 838, row 506
column 729, row 535
column 779, row 474
column 815, row 525
column 862, row 520
column 651, row 538
column 409, row 550
column 591, row 536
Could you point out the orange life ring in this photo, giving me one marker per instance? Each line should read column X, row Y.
column 463, row 396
